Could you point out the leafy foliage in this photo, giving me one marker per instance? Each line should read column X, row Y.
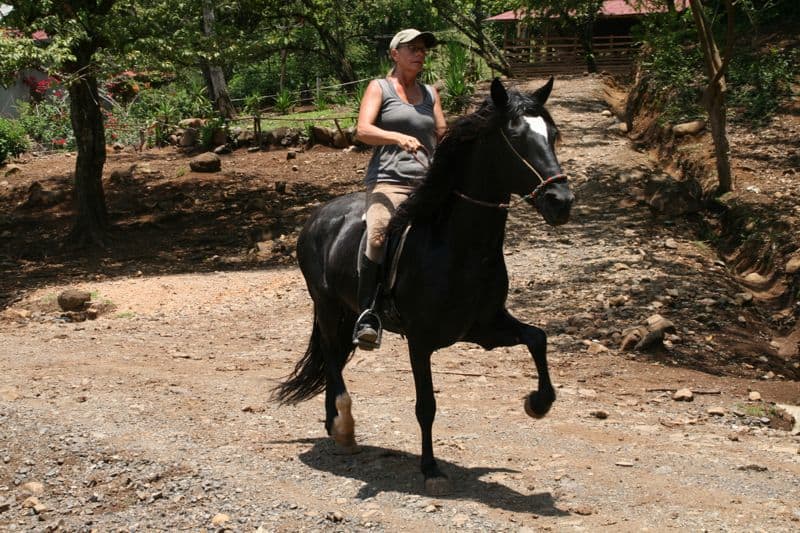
column 284, row 101
column 674, row 63
column 458, row 88
column 759, row 80
column 12, row 139
column 48, row 122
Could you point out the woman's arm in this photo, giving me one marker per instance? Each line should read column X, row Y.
column 438, row 115
column 366, row 130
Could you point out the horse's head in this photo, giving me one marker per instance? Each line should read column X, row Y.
column 528, row 134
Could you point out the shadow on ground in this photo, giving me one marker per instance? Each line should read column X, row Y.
column 386, row 469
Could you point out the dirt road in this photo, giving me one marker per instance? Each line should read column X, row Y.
column 156, row 416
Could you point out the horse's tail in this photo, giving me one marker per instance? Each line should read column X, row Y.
column 308, row 377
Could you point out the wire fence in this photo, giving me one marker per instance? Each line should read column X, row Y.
column 128, row 130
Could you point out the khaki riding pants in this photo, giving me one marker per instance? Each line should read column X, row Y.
column 382, row 201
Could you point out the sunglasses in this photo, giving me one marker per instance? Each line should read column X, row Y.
column 415, row 48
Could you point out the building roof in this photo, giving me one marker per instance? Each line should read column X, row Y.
column 610, row 8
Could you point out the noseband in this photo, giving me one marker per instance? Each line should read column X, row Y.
column 543, row 182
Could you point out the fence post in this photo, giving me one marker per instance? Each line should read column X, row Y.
column 257, row 126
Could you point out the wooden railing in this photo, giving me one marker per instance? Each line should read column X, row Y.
column 558, row 55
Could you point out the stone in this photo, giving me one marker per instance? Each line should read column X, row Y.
column 683, row 395
column 460, row 520
column 755, row 278
column 245, row 137
column 11, row 170
column 220, row 519
column 341, row 139
column 222, row 149
column 206, row 162
column 38, row 196
column 793, row 264
column 189, row 137
column 73, row 299
column 219, row 137
column 32, row 488
column 671, row 197
column 30, row 502
column 195, row 123
column 689, row 128
column 754, row 396
column 716, row 411
column 606, row 113
column 596, row 348
column 601, row 414
column 631, row 338
column 322, row 135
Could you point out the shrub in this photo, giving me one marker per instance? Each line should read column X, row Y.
column 759, row 80
column 13, row 140
column 284, row 101
column 48, row 122
column 458, row 88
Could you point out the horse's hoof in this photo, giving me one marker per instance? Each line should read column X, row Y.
column 535, row 412
column 346, row 449
column 437, row 486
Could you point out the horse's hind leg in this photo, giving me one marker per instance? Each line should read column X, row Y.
column 339, row 420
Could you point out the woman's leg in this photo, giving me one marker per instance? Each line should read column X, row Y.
column 382, row 201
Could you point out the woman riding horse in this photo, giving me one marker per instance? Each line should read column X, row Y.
column 451, row 281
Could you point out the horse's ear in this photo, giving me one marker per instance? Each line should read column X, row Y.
column 542, row 93
column 499, row 94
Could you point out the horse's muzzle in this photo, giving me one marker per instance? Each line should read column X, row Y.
column 555, row 206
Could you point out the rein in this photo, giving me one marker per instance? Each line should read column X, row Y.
column 531, row 195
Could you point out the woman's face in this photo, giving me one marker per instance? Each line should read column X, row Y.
column 411, row 55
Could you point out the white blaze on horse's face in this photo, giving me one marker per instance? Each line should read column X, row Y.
column 538, row 125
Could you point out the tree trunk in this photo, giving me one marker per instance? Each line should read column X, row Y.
column 214, row 73
column 714, row 101
column 714, row 93
column 91, row 224
column 586, row 37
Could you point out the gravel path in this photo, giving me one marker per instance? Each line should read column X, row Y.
column 156, row 417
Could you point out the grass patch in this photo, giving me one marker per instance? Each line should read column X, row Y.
column 125, row 314
column 324, row 117
column 759, row 410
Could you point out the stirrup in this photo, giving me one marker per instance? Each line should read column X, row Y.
column 366, row 344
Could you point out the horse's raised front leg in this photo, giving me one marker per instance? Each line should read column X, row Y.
column 505, row 330
column 436, row 483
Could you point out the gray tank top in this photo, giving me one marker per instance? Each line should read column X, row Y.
column 390, row 163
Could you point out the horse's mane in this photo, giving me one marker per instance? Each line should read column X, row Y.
column 429, row 201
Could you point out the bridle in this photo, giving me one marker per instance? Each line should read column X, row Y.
column 531, row 196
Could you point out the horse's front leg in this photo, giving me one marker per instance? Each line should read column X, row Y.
column 436, row 483
column 505, row 330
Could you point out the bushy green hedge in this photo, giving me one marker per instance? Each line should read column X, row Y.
column 13, row 140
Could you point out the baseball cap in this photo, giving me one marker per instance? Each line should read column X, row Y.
column 408, row 35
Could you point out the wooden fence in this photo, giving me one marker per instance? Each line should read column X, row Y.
column 565, row 55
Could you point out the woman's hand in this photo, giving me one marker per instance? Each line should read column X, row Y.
column 409, row 143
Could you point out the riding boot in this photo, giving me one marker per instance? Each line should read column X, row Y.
column 367, row 331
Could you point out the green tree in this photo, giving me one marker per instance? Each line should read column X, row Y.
column 79, row 31
column 469, row 17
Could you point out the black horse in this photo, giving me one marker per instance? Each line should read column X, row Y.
column 451, row 283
